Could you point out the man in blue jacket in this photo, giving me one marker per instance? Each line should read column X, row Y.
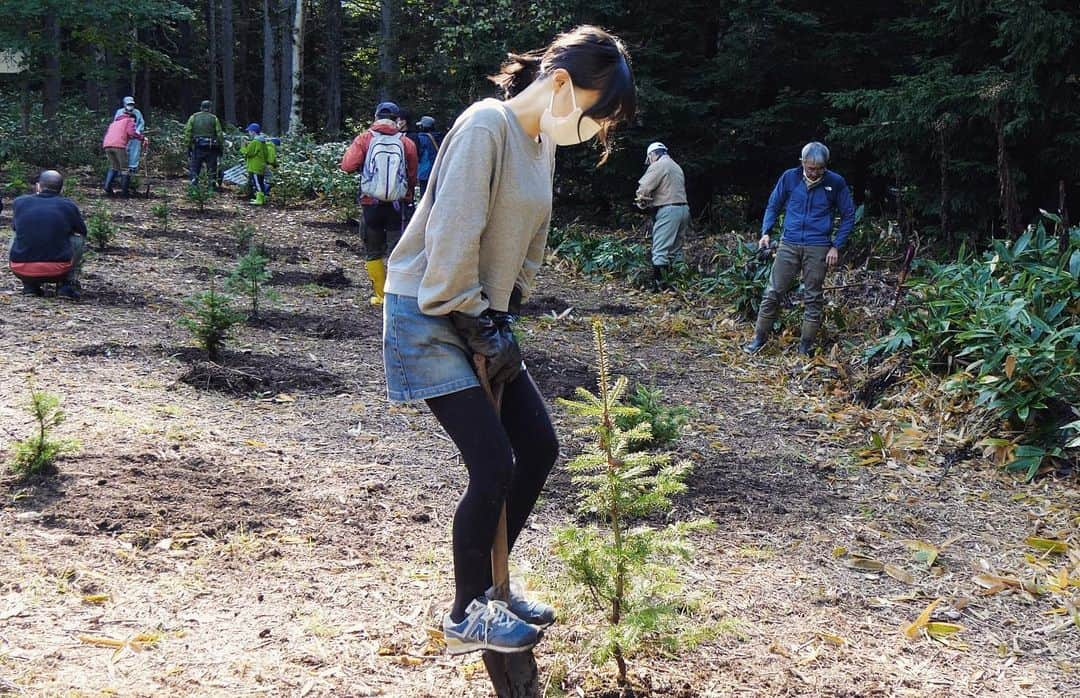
column 810, row 196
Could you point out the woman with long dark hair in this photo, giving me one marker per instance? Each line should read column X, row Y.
column 455, row 282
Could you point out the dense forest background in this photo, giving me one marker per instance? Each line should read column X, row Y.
column 961, row 117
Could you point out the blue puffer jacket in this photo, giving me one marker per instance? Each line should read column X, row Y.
column 808, row 214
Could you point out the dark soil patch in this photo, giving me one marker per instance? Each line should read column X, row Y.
column 109, row 350
column 309, row 325
column 112, row 296
column 559, row 376
column 335, row 278
column 287, row 254
column 326, row 225
column 113, row 494
column 255, row 374
column 542, row 305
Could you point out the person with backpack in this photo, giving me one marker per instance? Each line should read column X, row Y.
column 387, row 162
column 259, row 155
column 455, row 282
column 203, row 137
column 427, row 146
column 115, row 144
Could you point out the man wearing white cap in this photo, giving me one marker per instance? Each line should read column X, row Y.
column 663, row 189
column 134, row 146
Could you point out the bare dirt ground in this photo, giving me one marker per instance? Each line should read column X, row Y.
column 273, row 526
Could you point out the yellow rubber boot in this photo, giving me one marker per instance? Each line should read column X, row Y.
column 260, row 199
column 376, row 269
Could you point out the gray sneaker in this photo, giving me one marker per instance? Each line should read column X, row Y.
column 488, row 626
column 532, row 612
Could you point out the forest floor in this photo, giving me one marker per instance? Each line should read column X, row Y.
column 273, row 526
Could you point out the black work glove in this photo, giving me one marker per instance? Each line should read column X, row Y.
column 490, row 335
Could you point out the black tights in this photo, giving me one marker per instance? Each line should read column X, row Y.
column 508, row 456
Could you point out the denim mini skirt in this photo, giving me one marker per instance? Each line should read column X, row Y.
column 423, row 354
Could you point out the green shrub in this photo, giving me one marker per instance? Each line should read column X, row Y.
column 36, row 453
column 1004, row 329
column 741, row 276
column 17, row 174
column 625, row 568
column 100, row 230
column 602, row 253
column 665, row 423
column 250, row 277
column 211, row 319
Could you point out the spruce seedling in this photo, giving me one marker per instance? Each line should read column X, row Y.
column 250, row 277
column 211, row 319
column 99, row 229
column 201, row 190
column 244, row 233
column 161, row 213
column 627, row 570
column 36, row 453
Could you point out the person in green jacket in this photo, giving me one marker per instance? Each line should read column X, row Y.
column 259, row 153
column 203, row 138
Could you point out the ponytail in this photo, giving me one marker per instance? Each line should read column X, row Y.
column 517, row 73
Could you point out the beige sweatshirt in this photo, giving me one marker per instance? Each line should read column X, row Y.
column 663, row 183
column 482, row 225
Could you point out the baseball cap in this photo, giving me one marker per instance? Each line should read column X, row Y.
column 129, row 100
column 253, row 127
column 387, row 110
column 655, row 145
column 426, row 122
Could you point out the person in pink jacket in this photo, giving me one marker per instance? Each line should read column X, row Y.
column 120, row 131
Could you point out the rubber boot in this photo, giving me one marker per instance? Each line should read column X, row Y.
column 125, row 183
column 376, row 269
column 259, row 200
column 756, row 343
column 660, row 273
column 109, row 177
column 806, row 340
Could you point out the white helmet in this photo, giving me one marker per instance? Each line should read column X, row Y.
column 655, row 145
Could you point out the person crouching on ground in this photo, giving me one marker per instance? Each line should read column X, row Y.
column 50, row 236
column 121, row 131
column 663, row 189
column 387, row 162
column 809, row 196
column 455, row 282
column 257, row 158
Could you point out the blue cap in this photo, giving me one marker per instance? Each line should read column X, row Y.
column 253, row 127
column 387, row 110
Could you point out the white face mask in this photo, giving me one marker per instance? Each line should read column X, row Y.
column 570, row 129
column 129, row 107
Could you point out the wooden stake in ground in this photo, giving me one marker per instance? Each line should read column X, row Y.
column 512, row 675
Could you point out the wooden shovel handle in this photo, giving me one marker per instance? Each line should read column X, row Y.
column 500, row 548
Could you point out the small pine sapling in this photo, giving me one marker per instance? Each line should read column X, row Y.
column 37, row 453
column 211, row 319
column 627, row 570
column 99, row 229
column 250, row 278
column 161, row 213
column 244, row 234
column 665, row 423
column 200, row 191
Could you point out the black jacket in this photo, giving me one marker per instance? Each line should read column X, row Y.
column 44, row 224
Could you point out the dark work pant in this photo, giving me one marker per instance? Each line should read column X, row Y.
column 381, row 228
column 201, row 156
column 508, row 456
column 791, row 260
column 257, row 182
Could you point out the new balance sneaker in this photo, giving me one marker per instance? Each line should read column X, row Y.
column 532, row 612
column 488, row 626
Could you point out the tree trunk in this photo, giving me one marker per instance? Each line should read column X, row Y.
column 285, row 53
column 25, row 104
column 185, row 59
column 51, row 87
column 211, row 41
column 295, row 121
column 333, row 30
column 228, row 67
column 1010, row 209
column 270, row 75
column 387, row 50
